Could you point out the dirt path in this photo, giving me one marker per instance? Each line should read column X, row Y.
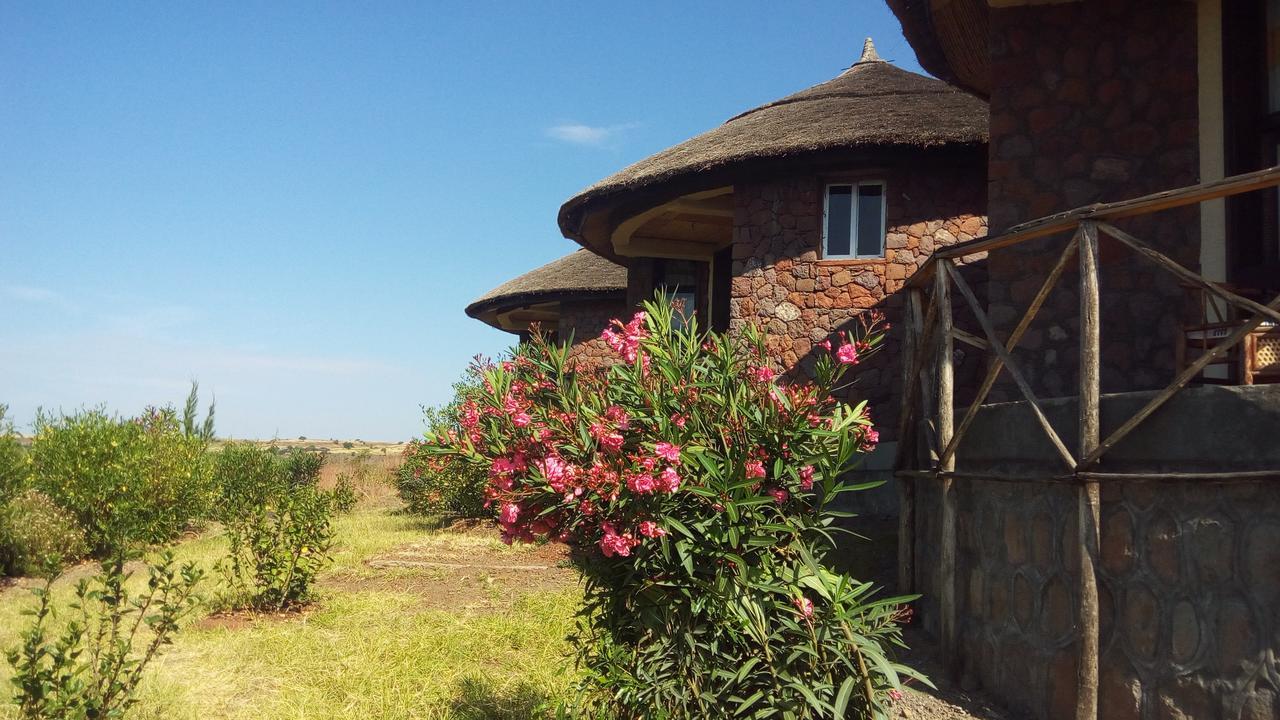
column 948, row 701
column 464, row 567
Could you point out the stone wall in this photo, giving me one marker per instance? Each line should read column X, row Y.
column 1093, row 101
column 781, row 283
column 584, row 320
column 1189, row 572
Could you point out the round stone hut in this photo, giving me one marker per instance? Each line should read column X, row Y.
column 803, row 213
column 571, row 298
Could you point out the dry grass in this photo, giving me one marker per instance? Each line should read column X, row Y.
column 379, row 644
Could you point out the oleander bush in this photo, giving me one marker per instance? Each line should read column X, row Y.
column 696, row 492
column 89, row 667
column 431, row 483
column 37, row 536
column 126, row 480
column 277, row 524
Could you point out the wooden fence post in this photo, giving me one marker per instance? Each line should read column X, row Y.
column 946, row 425
column 1088, row 500
column 907, row 437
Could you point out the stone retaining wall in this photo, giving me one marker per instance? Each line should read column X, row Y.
column 1189, row 573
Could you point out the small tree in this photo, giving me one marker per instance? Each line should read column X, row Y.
column 696, row 492
column 91, row 668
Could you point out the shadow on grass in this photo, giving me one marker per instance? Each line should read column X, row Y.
column 479, row 698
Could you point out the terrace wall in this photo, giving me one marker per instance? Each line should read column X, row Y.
column 1189, row 574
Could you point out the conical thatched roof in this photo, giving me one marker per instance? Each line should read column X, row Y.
column 950, row 39
column 871, row 106
column 579, row 275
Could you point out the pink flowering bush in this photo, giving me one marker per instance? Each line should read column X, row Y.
column 695, row 491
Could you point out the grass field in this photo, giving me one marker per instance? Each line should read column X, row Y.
column 413, row 621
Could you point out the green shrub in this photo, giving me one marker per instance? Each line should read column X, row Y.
column 37, row 536
column 277, row 524
column 90, row 668
column 344, row 496
column 696, row 492
column 127, row 481
column 15, row 471
column 434, row 484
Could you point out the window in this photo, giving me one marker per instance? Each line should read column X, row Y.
column 853, row 221
column 678, row 280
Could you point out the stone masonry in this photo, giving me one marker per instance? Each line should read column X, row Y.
column 781, row 283
column 1093, row 102
column 584, row 320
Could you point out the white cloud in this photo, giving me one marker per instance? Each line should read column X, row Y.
column 39, row 296
column 590, row 135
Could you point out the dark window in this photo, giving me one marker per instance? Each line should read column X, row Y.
column 721, row 281
column 679, row 281
column 853, row 226
column 839, row 220
column 870, row 220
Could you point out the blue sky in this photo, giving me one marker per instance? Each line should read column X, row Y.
column 293, row 202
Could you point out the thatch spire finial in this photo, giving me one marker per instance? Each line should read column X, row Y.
column 869, row 53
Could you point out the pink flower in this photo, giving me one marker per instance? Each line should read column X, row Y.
column 825, row 345
column 557, row 472
column 625, row 339
column 508, row 514
column 651, row 529
column 762, row 374
column 805, row 606
column 806, row 477
column 847, row 354
column 873, row 437
column 669, row 480
column 521, row 419
column 895, row 695
column 612, row 543
column 755, row 469
column 678, row 420
column 779, row 495
column 641, row 484
column 668, row 452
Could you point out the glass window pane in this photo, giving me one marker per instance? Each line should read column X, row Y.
column 870, row 220
column 839, row 216
column 1273, row 55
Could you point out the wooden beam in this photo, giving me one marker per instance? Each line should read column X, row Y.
column 1063, row 221
column 906, row 436
column 1009, row 365
column 1163, row 261
column 946, row 422
column 1088, row 516
column 1014, row 338
column 1183, row 378
column 912, row 389
column 1211, row 477
column 969, row 338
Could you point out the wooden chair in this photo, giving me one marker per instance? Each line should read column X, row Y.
column 1254, row 360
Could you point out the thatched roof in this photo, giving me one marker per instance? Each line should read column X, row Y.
column 579, row 275
column 871, row 106
column 950, row 39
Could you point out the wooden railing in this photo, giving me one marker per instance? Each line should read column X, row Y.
column 929, row 389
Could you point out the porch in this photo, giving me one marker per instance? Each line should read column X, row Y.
column 1095, row 555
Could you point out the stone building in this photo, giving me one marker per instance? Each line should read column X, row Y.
column 802, row 213
column 572, row 298
column 1164, row 605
